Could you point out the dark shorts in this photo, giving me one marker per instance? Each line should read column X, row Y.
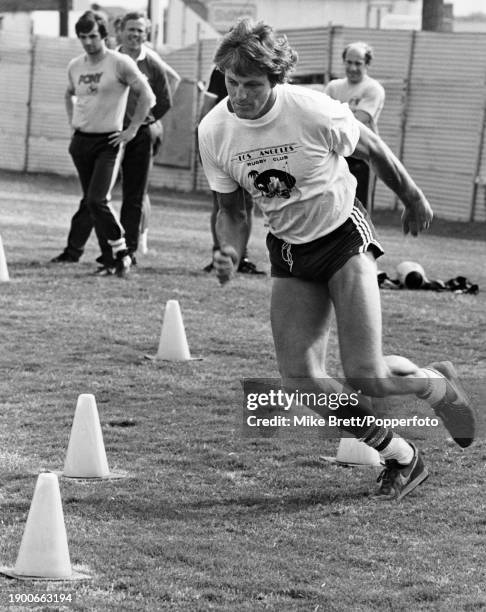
column 320, row 259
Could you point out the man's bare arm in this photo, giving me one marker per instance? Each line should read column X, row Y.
column 68, row 103
column 145, row 101
column 232, row 232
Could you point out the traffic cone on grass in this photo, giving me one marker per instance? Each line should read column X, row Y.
column 4, row 277
column 173, row 344
column 86, row 456
column 353, row 452
column 44, row 551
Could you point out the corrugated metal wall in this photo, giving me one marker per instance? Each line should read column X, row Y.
column 446, row 102
column 434, row 116
column 49, row 130
column 15, row 75
column 312, row 46
column 480, row 199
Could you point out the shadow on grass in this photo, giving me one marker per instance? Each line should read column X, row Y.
column 237, row 506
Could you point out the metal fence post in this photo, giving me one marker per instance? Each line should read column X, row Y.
column 195, row 165
column 406, row 101
column 479, row 159
column 33, row 41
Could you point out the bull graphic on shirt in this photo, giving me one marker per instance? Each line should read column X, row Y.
column 273, row 183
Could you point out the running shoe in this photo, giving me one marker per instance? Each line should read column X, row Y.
column 399, row 480
column 105, row 271
column 248, row 267
column 455, row 408
column 65, row 257
column 123, row 265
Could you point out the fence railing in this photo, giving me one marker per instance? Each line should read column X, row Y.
column 434, row 117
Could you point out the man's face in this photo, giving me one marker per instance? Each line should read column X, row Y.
column 355, row 65
column 91, row 41
column 251, row 96
column 134, row 34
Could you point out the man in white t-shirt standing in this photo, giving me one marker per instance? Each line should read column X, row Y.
column 286, row 146
column 366, row 98
column 96, row 98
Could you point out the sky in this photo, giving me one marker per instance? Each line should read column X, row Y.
column 466, row 7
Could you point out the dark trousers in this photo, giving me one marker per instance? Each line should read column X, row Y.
column 135, row 166
column 361, row 171
column 96, row 162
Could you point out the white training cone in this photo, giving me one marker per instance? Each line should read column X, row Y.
column 173, row 342
column 354, row 452
column 44, row 552
column 86, row 456
column 4, row 277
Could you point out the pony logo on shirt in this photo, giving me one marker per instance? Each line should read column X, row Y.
column 273, row 182
column 92, row 80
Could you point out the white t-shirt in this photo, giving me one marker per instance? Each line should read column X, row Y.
column 291, row 160
column 101, row 91
column 368, row 95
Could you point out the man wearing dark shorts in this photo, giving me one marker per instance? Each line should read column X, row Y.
column 286, row 145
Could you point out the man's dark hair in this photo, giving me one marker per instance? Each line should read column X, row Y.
column 134, row 15
column 250, row 48
column 88, row 21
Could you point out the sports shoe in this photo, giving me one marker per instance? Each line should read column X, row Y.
column 455, row 408
column 399, row 480
column 106, row 260
column 105, row 271
column 65, row 257
column 248, row 267
column 123, row 265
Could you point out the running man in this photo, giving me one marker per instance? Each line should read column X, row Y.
column 286, row 145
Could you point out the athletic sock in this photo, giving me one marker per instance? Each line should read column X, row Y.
column 398, row 449
column 377, row 437
column 388, row 445
column 118, row 247
column 436, row 386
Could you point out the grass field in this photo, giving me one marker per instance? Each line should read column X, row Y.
column 207, row 519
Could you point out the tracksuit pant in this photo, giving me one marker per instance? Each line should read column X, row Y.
column 98, row 173
column 97, row 163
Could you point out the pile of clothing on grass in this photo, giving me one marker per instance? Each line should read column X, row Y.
column 411, row 275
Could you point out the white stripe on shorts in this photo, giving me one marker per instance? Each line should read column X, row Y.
column 363, row 227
